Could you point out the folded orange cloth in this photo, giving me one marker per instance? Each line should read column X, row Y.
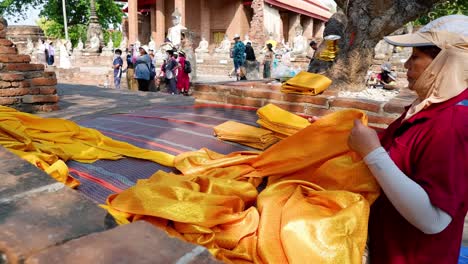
column 244, row 134
column 280, row 121
column 306, row 83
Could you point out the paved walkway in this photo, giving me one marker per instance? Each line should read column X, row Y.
column 83, row 101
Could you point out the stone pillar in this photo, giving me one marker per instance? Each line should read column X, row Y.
column 294, row 21
column 319, row 28
column 257, row 31
column 153, row 22
column 132, row 21
column 309, row 28
column 160, row 22
column 180, row 5
column 205, row 20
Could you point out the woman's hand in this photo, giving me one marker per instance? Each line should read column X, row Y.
column 363, row 139
column 313, row 119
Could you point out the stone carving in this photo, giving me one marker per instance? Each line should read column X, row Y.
column 68, row 46
column 300, row 43
column 64, row 56
column 108, row 49
column 203, row 46
column 247, row 39
column 94, row 44
column 80, row 45
column 29, row 46
column 225, row 45
column 152, row 44
column 174, row 33
column 137, row 44
column 124, row 43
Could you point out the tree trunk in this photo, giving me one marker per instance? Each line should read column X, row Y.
column 362, row 25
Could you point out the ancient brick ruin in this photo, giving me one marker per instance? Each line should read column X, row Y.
column 24, row 86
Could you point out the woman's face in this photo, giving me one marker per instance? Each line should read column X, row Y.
column 416, row 65
column 142, row 51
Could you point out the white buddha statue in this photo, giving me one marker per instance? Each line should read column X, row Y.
column 203, row 46
column 174, row 32
column 225, row 45
column 152, row 44
column 299, row 43
column 80, row 45
column 124, row 43
column 29, row 46
column 247, row 39
column 94, row 43
column 64, row 56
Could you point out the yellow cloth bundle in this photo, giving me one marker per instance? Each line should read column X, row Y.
column 314, row 209
column 306, row 83
column 49, row 142
column 280, row 121
column 244, row 134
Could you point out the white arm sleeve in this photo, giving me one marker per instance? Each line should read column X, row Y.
column 408, row 197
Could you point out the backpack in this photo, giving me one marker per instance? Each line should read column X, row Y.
column 187, row 67
column 152, row 71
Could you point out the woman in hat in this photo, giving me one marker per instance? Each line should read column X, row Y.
column 421, row 159
column 183, row 78
column 142, row 69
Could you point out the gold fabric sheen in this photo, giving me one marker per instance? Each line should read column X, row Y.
column 48, row 143
column 306, row 83
column 246, row 135
column 281, row 122
column 314, row 208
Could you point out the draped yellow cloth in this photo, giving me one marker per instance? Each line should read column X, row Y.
column 49, row 142
column 246, row 135
column 306, row 83
column 281, row 122
column 314, row 208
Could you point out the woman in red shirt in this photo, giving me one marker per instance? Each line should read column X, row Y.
column 183, row 78
column 421, row 159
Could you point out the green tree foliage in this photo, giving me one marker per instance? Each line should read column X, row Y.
column 78, row 12
column 443, row 9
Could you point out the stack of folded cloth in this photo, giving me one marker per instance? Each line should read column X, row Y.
column 280, row 121
column 246, row 135
column 306, row 83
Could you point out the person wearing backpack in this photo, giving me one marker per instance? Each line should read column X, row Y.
column 183, row 78
column 170, row 72
column 143, row 69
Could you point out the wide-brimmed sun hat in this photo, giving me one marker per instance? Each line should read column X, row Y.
column 452, row 24
column 145, row 48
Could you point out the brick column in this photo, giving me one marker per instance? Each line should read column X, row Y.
column 205, row 23
column 180, row 5
column 132, row 21
column 153, row 22
column 309, row 28
column 23, row 85
column 160, row 22
column 257, row 27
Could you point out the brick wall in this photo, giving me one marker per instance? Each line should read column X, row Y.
column 257, row 32
column 23, row 85
column 259, row 93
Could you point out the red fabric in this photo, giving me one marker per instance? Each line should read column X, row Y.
column 183, row 79
column 432, row 149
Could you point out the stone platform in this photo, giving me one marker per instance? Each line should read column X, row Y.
column 259, row 93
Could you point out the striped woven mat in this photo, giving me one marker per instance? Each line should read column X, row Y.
column 172, row 129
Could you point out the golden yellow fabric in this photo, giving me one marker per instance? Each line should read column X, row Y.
column 246, row 135
column 49, row 142
column 306, row 83
column 313, row 210
column 280, row 121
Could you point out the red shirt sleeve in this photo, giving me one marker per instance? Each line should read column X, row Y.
column 441, row 162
